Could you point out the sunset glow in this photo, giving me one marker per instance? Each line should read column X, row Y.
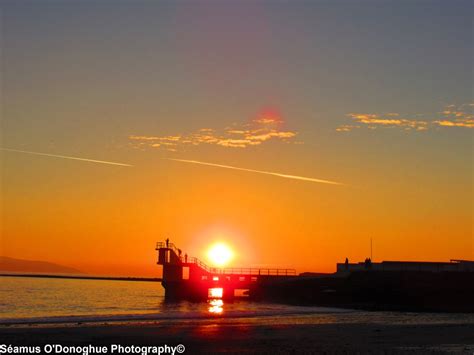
column 237, row 176
column 220, row 254
column 292, row 143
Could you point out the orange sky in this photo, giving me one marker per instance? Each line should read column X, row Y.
column 379, row 106
column 106, row 220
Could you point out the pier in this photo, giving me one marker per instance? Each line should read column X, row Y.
column 388, row 285
column 192, row 279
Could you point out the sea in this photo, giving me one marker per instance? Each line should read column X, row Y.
column 41, row 301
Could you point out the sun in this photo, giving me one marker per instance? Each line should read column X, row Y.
column 220, row 254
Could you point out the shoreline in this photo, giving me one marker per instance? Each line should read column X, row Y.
column 307, row 315
column 236, row 336
column 83, row 277
column 297, row 315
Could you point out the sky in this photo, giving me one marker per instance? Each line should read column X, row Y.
column 293, row 131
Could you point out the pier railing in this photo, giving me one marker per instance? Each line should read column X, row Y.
column 163, row 245
column 227, row 271
column 254, row 271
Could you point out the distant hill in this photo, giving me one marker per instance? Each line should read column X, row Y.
column 19, row 265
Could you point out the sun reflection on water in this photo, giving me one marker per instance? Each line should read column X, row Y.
column 216, row 306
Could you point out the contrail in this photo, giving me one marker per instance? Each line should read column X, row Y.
column 65, row 157
column 295, row 177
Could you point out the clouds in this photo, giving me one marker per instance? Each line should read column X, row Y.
column 451, row 116
column 373, row 121
column 461, row 116
column 258, row 132
column 469, row 123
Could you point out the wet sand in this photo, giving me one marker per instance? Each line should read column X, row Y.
column 254, row 338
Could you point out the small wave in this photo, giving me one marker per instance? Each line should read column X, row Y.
column 194, row 315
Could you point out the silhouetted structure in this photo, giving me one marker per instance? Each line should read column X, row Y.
column 389, row 285
column 194, row 280
column 454, row 265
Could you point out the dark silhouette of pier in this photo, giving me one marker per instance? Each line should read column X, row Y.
column 388, row 285
column 190, row 278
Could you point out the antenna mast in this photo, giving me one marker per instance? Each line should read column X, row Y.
column 371, row 248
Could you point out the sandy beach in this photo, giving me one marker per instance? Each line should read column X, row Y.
column 253, row 338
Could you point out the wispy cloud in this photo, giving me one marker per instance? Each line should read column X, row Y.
column 258, row 132
column 451, row 116
column 286, row 176
column 346, row 128
column 457, row 123
column 461, row 116
column 65, row 157
column 387, row 120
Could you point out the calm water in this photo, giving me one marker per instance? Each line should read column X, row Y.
column 34, row 300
